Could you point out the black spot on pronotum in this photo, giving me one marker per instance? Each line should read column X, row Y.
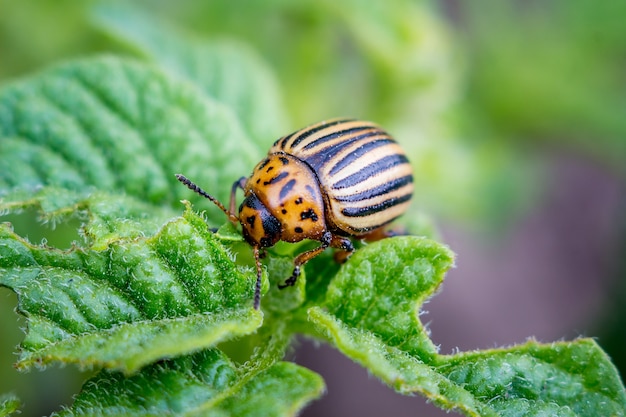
column 250, row 221
column 275, row 179
column 284, row 192
column 284, row 160
column 283, row 211
column 265, row 162
column 309, row 214
column 299, row 200
column 298, row 229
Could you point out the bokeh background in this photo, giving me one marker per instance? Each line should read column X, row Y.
column 512, row 112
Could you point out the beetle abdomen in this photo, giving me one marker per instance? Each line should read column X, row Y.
column 365, row 176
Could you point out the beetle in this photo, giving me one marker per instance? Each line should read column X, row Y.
column 329, row 182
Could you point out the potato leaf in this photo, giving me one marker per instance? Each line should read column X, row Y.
column 131, row 303
column 116, row 125
column 224, row 69
column 205, row 383
column 371, row 315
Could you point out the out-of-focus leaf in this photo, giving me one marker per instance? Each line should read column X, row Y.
column 226, row 70
column 550, row 73
column 9, row 404
column 116, row 125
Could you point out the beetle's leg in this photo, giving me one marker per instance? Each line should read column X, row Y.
column 240, row 183
column 328, row 239
column 341, row 256
column 346, row 247
column 383, row 233
column 305, row 257
column 376, row 234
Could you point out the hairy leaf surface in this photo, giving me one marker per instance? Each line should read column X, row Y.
column 116, row 125
column 372, row 315
column 205, row 383
column 131, row 303
column 9, row 404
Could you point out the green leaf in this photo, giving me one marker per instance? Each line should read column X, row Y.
column 131, row 303
column 280, row 302
column 206, row 383
column 557, row 40
column 224, row 69
column 9, row 404
column 107, row 217
column 371, row 315
column 559, row 379
column 382, row 287
column 116, row 125
column 403, row 372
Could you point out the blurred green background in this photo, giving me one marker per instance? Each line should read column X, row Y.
column 513, row 114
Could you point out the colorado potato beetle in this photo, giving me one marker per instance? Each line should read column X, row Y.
column 328, row 182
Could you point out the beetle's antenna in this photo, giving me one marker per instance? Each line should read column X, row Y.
column 193, row 187
column 257, row 287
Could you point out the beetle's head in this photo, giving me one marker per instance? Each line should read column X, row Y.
column 260, row 227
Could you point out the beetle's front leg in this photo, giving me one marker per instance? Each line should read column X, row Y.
column 346, row 247
column 240, row 183
column 328, row 239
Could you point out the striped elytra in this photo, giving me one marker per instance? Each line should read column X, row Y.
column 363, row 173
column 328, row 182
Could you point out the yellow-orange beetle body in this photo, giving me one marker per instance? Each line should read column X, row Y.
column 327, row 182
column 287, row 188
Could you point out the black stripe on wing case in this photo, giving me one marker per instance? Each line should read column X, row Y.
column 376, row 208
column 377, row 191
column 372, row 169
column 326, row 155
column 358, row 153
column 336, row 134
column 305, row 133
